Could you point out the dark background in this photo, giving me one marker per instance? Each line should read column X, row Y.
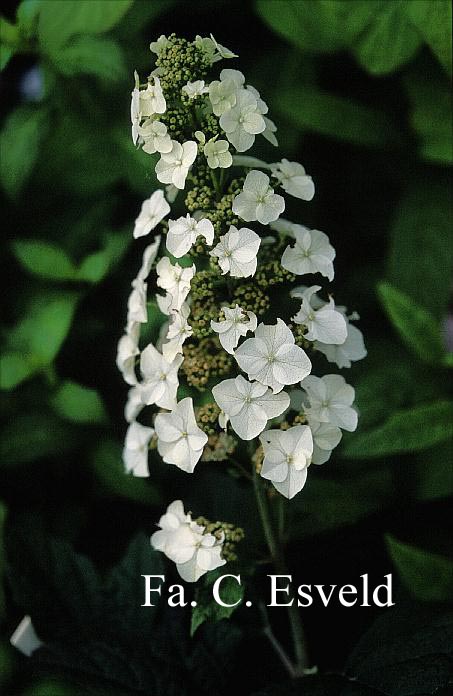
column 367, row 111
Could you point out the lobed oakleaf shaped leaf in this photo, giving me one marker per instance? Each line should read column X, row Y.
column 55, row 28
column 92, row 55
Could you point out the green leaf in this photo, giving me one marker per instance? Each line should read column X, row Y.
column 6, row 54
column 78, row 404
column 40, row 335
column 95, row 56
column 58, row 23
column 428, row 576
column 32, row 436
column 44, row 260
column 27, row 16
column 415, row 325
column 388, row 42
column 50, row 262
column 34, row 342
column 96, row 266
column 432, row 477
column 421, row 246
column 318, row 25
column 125, row 581
column 432, row 18
column 408, row 430
column 9, row 41
column 14, row 369
column 20, row 141
column 336, row 117
column 207, row 609
column 382, row 34
column 56, row 585
column 431, row 114
column 406, row 652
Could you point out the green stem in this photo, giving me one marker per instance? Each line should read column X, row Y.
column 216, row 184
column 278, row 560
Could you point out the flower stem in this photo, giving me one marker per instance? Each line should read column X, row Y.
column 297, row 630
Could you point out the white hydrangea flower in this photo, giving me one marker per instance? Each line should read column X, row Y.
column 154, row 136
column 207, row 556
column 158, row 46
column 136, row 116
column 222, row 95
column 164, row 303
column 257, row 200
column 325, row 324
column 325, row 438
column 185, row 543
column 127, row 352
column 250, row 162
column 243, row 121
column 184, row 232
column 134, row 403
column 136, row 304
column 351, row 350
column 153, row 211
column 287, row 455
column 175, row 280
column 248, row 405
column 269, row 131
column 234, row 75
column 195, row 89
column 312, row 253
column 213, row 50
column 217, row 154
column 173, row 166
column 178, row 535
column 179, row 330
column 272, row 357
column 236, row 251
column 149, row 255
column 171, row 192
column 179, row 439
column 293, row 179
column 260, row 103
column 135, row 452
column 222, row 51
column 152, row 100
column 236, row 324
column 330, row 399
column 160, row 378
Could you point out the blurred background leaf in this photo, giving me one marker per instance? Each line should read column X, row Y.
column 428, row 576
